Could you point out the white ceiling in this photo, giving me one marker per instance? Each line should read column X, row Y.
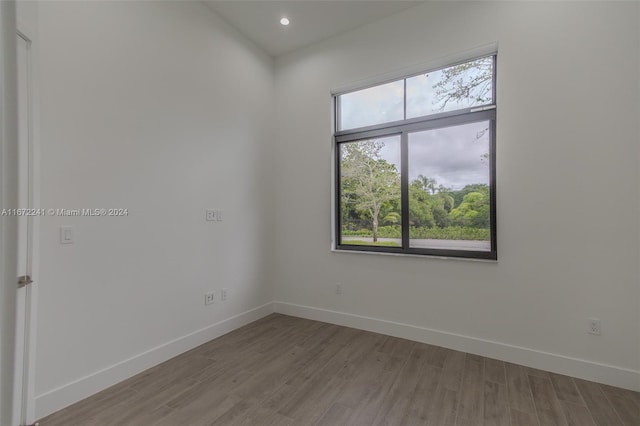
column 311, row 20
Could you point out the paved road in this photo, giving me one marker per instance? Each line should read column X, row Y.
column 434, row 244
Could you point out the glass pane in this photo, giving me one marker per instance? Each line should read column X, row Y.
column 449, row 175
column 370, row 192
column 379, row 104
column 461, row 86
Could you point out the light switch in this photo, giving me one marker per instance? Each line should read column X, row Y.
column 213, row 215
column 66, row 235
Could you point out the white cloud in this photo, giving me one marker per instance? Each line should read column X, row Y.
column 454, row 156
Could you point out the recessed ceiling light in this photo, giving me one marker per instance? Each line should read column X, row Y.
column 284, row 21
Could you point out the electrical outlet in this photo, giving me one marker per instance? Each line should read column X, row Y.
column 594, row 326
column 209, row 298
column 223, row 294
column 338, row 288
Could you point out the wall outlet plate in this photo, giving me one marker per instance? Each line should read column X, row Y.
column 209, row 298
column 594, row 326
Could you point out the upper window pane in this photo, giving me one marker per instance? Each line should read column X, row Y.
column 376, row 105
column 460, row 86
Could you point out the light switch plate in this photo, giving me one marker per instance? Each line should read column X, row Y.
column 66, row 235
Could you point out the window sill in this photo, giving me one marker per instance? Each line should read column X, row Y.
column 419, row 256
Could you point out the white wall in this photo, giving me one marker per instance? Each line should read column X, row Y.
column 567, row 191
column 8, row 199
column 160, row 108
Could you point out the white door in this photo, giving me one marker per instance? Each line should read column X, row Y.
column 23, row 380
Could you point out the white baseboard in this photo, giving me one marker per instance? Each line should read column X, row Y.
column 56, row 399
column 575, row 367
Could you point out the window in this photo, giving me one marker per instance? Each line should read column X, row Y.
column 415, row 164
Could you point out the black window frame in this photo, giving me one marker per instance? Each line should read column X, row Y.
column 403, row 128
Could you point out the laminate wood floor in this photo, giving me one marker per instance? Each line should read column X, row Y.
column 283, row 370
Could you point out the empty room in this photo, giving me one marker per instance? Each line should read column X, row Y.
column 320, row 213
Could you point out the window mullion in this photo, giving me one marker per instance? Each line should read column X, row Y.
column 404, row 188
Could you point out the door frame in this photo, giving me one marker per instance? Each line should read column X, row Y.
column 26, row 300
column 8, row 197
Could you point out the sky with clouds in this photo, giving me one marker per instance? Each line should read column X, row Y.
column 453, row 156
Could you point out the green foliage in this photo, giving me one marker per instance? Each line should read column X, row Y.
column 420, row 207
column 369, row 183
column 477, row 187
column 390, row 231
column 445, row 200
column 370, row 191
column 440, row 216
column 393, row 231
column 473, row 211
column 450, row 233
column 358, row 233
column 392, row 218
column 428, row 185
column 377, row 243
column 429, row 205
